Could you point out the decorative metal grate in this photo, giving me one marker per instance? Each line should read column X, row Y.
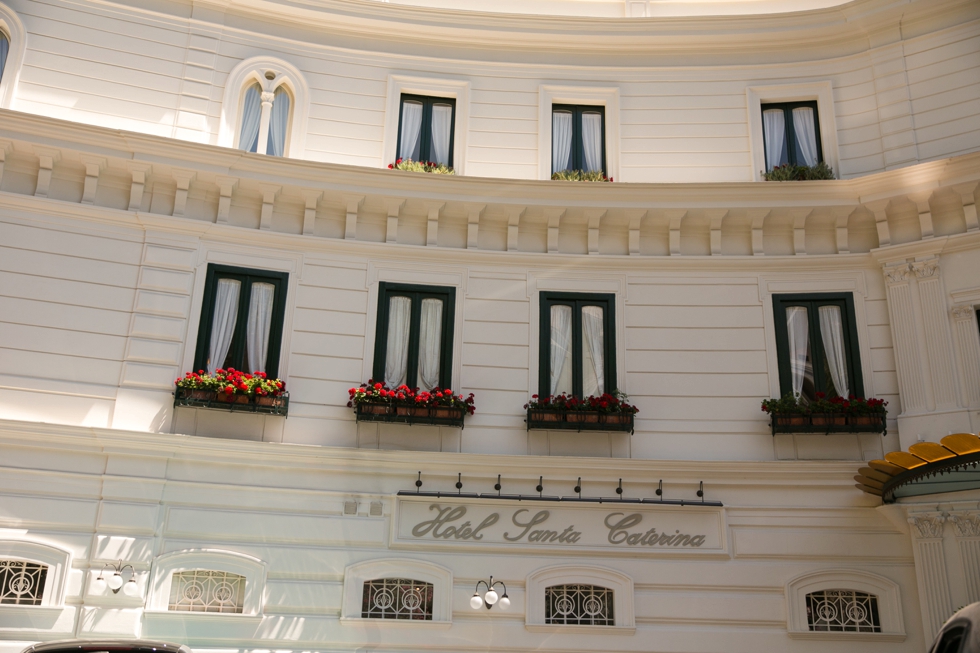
column 207, row 591
column 397, row 598
column 843, row 611
column 22, row 582
column 584, row 605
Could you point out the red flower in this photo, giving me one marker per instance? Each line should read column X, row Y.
column 391, row 166
column 378, row 386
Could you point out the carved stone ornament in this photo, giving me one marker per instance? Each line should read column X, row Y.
column 966, row 524
column 897, row 273
column 964, row 312
column 926, row 269
column 928, row 527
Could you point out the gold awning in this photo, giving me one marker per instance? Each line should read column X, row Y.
column 881, row 477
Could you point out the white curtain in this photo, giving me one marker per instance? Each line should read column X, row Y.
column 259, row 323
column 4, row 49
column 561, row 349
column 592, row 141
column 797, row 328
column 396, row 355
column 593, row 352
column 806, row 134
column 442, row 123
column 561, row 140
column 248, row 140
column 278, row 123
column 832, row 336
column 411, row 128
column 430, row 343
column 223, row 323
column 775, row 127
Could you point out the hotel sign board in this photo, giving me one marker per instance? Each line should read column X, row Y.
column 619, row 529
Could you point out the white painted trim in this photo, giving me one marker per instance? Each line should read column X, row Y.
column 607, row 97
column 164, row 567
column 442, row 589
column 822, row 92
column 58, row 562
column 433, row 87
column 618, row 582
column 889, row 603
column 255, row 70
column 12, row 26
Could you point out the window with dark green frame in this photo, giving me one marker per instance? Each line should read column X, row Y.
column 426, row 127
column 577, row 344
column 241, row 320
column 791, row 134
column 578, row 138
column 817, row 345
column 414, row 337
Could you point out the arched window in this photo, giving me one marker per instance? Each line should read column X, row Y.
column 203, row 590
column 844, row 604
column 566, row 597
column 264, row 124
column 4, row 51
column 578, row 604
column 22, row 582
column 397, row 598
column 843, row 611
column 31, row 574
column 13, row 45
column 205, row 581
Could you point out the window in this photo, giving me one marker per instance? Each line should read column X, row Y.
column 264, row 131
column 414, row 341
column 577, row 348
column 207, row 591
column 584, row 605
column 22, row 582
column 241, row 320
column 791, row 134
column 843, row 611
column 817, row 345
column 397, row 598
column 425, row 129
column 4, row 51
column 578, row 138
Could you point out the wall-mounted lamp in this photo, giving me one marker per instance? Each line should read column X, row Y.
column 490, row 597
column 115, row 580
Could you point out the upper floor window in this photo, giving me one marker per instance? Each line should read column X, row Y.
column 265, row 120
column 4, row 50
column 584, row 605
column 241, row 320
column 203, row 590
column 22, row 582
column 791, row 131
column 577, row 348
column 845, row 611
column 397, row 598
column 578, row 138
column 414, row 340
column 425, row 129
column 817, row 346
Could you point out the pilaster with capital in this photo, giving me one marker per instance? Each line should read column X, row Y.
column 966, row 526
column 905, row 343
column 939, row 343
column 930, row 569
column 968, row 348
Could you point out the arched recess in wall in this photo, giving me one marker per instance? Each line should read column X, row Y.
column 619, row 583
column 821, row 585
column 56, row 563
column 270, row 74
column 440, row 577
column 13, row 30
column 165, row 566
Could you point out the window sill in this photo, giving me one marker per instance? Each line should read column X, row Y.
column 164, row 616
column 848, row 637
column 581, row 630
column 278, row 406
column 389, row 623
column 578, row 420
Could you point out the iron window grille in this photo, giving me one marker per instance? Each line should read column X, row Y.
column 203, row 590
column 792, row 153
column 22, row 582
column 582, row 605
column 577, row 302
column 576, row 157
column 842, row 611
column 424, row 149
column 397, row 598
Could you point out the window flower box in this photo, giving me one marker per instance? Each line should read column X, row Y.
column 607, row 412
column 232, row 390
column 375, row 402
column 234, row 403
column 793, row 414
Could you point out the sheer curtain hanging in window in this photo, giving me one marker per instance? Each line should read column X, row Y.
column 223, row 324
column 592, row 141
column 593, row 352
column 442, row 121
column 248, row 139
column 775, row 130
column 430, row 343
column 259, row 324
column 806, row 134
column 4, row 49
column 832, row 336
column 797, row 329
column 278, row 123
column 410, row 144
column 396, row 353
column 561, row 140
column 561, row 349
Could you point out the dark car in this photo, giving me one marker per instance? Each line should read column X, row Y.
column 106, row 645
column 960, row 633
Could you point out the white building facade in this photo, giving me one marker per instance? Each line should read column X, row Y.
column 166, row 163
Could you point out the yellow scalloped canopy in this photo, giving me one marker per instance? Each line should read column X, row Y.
column 878, row 473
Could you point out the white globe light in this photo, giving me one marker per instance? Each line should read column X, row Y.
column 131, row 588
column 115, row 581
column 99, row 584
column 476, row 602
column 490, row 597
column 504, row 602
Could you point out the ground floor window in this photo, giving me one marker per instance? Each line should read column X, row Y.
column 397, row 598
column 845, row 611
column 583, row 605
column 22, row 582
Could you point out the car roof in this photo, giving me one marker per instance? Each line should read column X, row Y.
column 113, row 645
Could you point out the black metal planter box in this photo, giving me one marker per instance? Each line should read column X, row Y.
column 381, row 412
column 235, row 403
column 828, row 423
column 578, row 420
